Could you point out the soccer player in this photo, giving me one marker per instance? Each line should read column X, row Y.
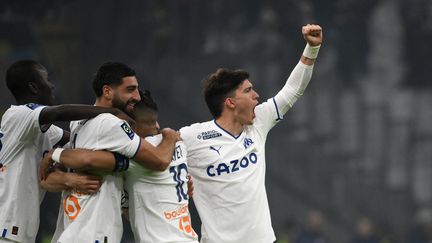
column 158, row 200
column 26, row 134
column 226, row 156
column 97, row 217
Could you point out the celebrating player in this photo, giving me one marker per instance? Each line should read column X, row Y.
column 97, row 217
column 226, row 156
column 26, row 134
column 158, row 200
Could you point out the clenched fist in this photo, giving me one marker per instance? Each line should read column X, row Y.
column 312, row 34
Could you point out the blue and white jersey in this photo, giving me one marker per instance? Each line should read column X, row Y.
column 23, row 143
column 158, row 200
column 97, row 217
column 229, row 171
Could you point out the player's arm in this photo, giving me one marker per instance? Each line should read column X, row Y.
column 68, row 112
column 64, row 139
column 59, row 180
column 157, row 158
column 83, row 159
column 302, row 73
column 190, row 186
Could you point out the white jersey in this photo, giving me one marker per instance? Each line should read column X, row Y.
column 229, row 171
column 96, row 218
column 22, row 145
column 158, row 201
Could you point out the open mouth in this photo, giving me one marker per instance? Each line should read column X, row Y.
column 130, row 105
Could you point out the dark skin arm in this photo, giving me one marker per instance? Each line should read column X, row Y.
column 64, row 140
column 52, row 114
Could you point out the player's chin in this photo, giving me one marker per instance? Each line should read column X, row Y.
column 250, row 121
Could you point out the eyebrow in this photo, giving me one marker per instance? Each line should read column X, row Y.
column 132, row 86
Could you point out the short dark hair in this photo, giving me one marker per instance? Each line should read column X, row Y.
column 147, row 102
column 220, row 85
column 20, row 74
column 110, row 73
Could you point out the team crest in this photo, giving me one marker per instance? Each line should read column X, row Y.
column 126, row 128
column 32, row 105
column 247, row 142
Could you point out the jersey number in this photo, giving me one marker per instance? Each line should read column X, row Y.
column 177, row 171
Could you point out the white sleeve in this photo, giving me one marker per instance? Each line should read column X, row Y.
column 116, row 135
column 26, row 118
column 294, row 87
column 273, row 110
column 54, row 134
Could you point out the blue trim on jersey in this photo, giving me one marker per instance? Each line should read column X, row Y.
column 227, row 131
column 96, row 241
column 33, row 105
column 4, row 233
column 139, row 145
column 277, row 110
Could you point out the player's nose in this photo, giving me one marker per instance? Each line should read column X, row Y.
column 255, row 95
column 136, row 96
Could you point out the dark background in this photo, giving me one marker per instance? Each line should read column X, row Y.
column 356, row 148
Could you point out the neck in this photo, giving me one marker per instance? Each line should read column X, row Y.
column 27, row 100
column 230, row 124
column 103, row 103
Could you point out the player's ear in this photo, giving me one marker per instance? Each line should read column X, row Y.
column 107, row 92
column 230, row 102
column 33, row 87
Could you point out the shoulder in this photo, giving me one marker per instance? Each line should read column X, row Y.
column 107, row 117
column 22, row 109
column 195, row 129
column 22, row 114
column 197, row 133
column 108, row 121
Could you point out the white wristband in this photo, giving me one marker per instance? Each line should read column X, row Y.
column 311, row 52
column 56, row 154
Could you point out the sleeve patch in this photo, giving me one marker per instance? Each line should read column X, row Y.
column 128, row 130
column 32, row 105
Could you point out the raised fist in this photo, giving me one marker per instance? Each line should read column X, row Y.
column 312, row 34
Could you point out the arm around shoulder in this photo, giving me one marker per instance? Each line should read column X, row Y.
column 158, row 158
column 52, row 114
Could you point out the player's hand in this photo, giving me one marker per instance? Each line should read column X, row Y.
column 312, row 34
column 169, row 133
column 83, row 183
column 190, row 186
column 45, row 165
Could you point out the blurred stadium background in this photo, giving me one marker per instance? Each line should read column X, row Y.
column 355, row 153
